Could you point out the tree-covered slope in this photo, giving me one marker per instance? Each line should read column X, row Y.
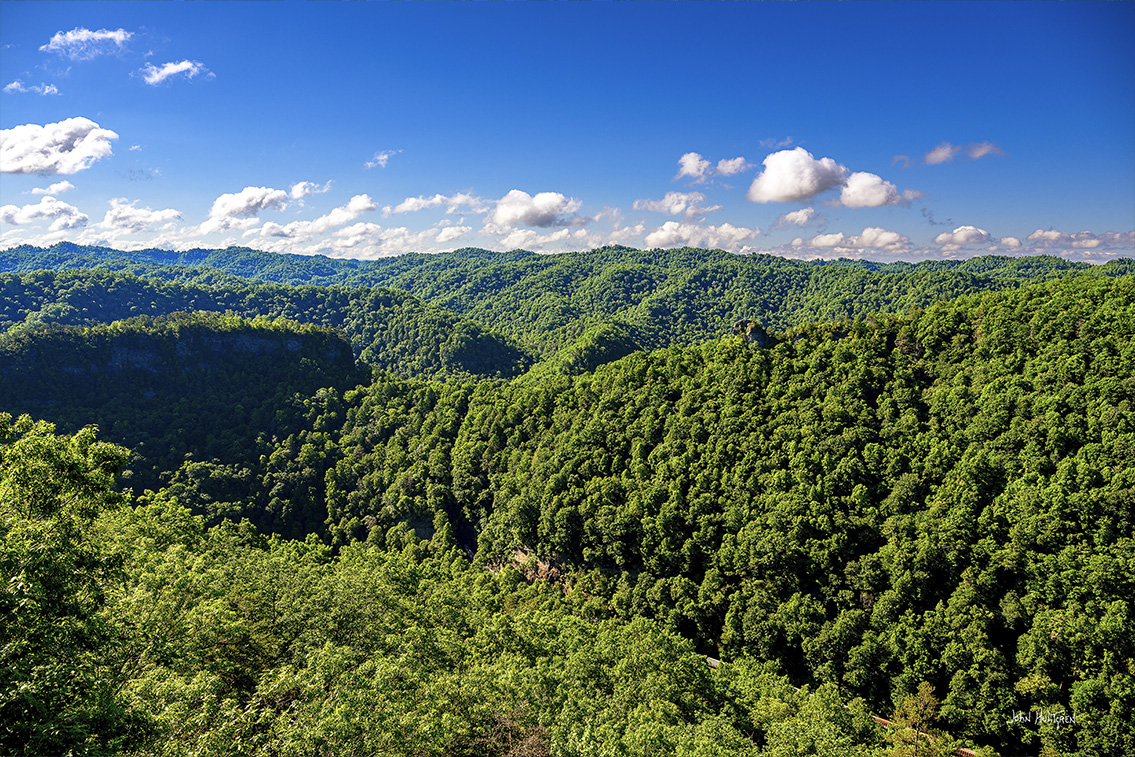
column 547, row 301
column 940, row 495
column 196, row 385
column 943, row 496
column 133, row 630
column 389, row 330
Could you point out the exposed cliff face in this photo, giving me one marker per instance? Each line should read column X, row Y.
column 182, row 353
column 753, row 332
column 190, row 384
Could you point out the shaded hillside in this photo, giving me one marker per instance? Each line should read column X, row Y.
column 187, row 385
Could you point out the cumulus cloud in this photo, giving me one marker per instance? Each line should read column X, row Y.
column 57, row 188
column 65, row 147
column 414, row 204
column 828, row 240
column 732, row 166
column 529, row 239
column 248, row 202
column 380, row 159
column 123, row 215
column 872, row 238
column 239, row 210
column 84, row 44
column 675, row 234
column 1010, row 243
column 961, row 237
column 946, row 152
column 356, row 206
column 155, row 75
column 867, row 190
column 449, row 233
column 40, row 89
column 545, row 210
column 453, row 203
column 1046, row 239
column 880, row 239
column 794, row 175
column 693, row 166
column 370, row 240
column 304, row 188
column 801, row 217
column 677, row 203
column 62, row 215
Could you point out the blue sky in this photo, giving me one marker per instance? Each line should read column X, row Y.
column 808, row 129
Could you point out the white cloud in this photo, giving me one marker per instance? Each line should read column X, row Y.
column 380, row 159
column 62, row 215
column 801, row 217
column 867, row 190
column 677, row 203
column 239, row 210
column 794, row 175
column 828, row 240
column 84, row 44
column 40, row 89
column 449, row 233
column 880, row 239
column 872, row 238
column 370, row 240
column 946, row 152
column 544, row 210
column 304, row 188
column 961, row 237
column 692, row 165
column 1010, row 243
column 155, row 75
column 1050, row 236
column 305, row 229
column 124, row 216
column 1044, row 240
column 453, row 204
column 414, row 204
column 65, row 147
column 981, row 149
column 943, row 153
column 773, row 144
column 57, row 188
column 528, row 239
column 675, row 234
column 732, row 166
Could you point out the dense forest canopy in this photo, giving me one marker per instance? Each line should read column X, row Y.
column 502, row 503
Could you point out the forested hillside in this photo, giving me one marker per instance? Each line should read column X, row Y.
column 889, row 494
column 389, row 330
column 547, row 302
column 177, row 388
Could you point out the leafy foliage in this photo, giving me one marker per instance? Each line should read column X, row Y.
column 918, row 495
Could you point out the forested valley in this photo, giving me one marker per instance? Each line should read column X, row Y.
column 508, row 504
